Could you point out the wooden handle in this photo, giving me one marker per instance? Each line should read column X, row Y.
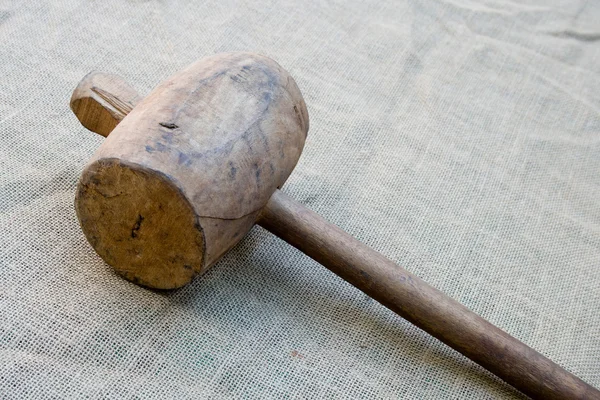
column 100, row 101
column 426, row 307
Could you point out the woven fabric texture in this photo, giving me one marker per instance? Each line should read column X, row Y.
column 459, row 138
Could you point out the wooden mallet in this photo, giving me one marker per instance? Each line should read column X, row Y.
column 189, row 169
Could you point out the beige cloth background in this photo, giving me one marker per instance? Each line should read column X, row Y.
column 459, row 138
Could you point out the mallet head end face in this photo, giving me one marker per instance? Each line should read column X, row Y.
column 140, row 223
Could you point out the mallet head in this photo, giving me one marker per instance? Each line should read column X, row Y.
column 183, row 176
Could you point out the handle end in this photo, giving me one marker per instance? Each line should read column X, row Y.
column 100, row 101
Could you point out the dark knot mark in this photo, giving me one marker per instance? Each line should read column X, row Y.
column 136, row 227
column 232, row 171
column 168, row 125
column 257, row 173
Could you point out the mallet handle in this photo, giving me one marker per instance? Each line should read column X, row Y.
column 426, row 307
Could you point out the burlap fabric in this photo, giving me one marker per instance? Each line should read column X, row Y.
column 459, row 138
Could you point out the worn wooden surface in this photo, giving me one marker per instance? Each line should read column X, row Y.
column 219, row 138
column 140, row 223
